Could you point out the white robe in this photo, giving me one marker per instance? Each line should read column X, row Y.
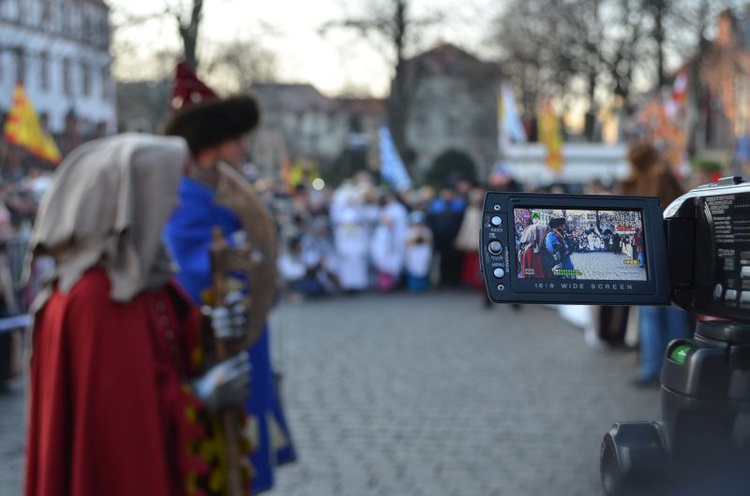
column 400, row 218
column 351, row 243
column 387, row 250
column 418, row 256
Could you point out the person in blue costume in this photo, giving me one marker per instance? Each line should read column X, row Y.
column 215, row 131
column 558, row 250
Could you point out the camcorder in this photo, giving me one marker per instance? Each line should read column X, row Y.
column 626, row 250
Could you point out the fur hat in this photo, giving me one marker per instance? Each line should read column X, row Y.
column 556, row 222
column 211, row 122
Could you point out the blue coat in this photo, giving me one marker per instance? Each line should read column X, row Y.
column 555, row 243
column 188, row 235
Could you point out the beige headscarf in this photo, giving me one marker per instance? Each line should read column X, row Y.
column 107, row 207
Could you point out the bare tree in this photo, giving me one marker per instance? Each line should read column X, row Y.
column 390, row 27
column 622, row 48
column 244, row 61
column 187, row 26
column 533, row 53
column 559, row 46
column 187, row 18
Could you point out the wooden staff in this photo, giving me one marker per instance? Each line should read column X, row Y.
column 255, row 258
column 231, row 428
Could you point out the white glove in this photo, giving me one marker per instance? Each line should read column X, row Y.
column 230, row 321
column 225, row 385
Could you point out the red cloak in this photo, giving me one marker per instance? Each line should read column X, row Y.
column 109, row 413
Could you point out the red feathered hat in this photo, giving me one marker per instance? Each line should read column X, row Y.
column 187, row 89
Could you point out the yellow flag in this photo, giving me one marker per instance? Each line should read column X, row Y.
column 549, row 134
column 22, row 128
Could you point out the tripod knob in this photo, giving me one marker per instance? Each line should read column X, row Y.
column 633, row 459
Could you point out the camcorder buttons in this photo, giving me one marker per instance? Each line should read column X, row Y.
column 496, row 221
column 745, row 297
column 745, row 274
column 499, row 273
column 495, row 247
column 731, row 295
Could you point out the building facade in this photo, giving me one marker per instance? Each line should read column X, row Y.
column 452, row 106
column 59, row 51
column 299, row 122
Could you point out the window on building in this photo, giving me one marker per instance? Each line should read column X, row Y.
column 66, row 17
column 55, row 22
column 67, row 77
column 46, row 12
column 85, row 28
column 85, row 79
column 103, row 32
column 106, row 83
column 14, row 8
column 44, row 70
column 20, row 65
column 44, row 120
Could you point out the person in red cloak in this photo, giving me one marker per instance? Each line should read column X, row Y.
column 113, row 397
column 531, row 255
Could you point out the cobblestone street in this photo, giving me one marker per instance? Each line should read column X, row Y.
column 605, row 265
column 430, row 394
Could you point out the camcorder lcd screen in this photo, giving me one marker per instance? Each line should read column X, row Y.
column 587, row 245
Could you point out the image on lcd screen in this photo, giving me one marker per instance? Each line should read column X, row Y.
column 579, row 244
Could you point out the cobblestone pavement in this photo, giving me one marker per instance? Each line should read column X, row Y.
column 430, row 394
column 605, row 265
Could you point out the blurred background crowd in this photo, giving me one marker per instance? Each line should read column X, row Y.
column 380, row 190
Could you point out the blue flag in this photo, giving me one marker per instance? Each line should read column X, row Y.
column 391, row 166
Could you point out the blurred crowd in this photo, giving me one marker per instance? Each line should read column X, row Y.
column 364, row 237
column 21, row 190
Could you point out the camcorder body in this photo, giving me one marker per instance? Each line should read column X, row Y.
column 625, row 250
